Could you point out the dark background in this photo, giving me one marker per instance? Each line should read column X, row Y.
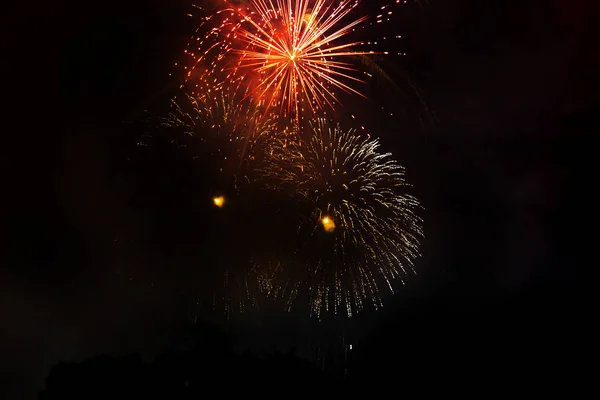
column 501, row 162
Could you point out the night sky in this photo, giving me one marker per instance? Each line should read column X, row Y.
column 497, row 148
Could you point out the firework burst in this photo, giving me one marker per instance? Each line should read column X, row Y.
column 361, row 231
column 289, row 56
column 231, row 135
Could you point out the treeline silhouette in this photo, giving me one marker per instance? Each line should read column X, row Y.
column 182, row 375
column 526, row 344
column 208, row 366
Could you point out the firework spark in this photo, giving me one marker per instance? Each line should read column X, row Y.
column 362, row 230
column 287, row 55
column 236, row 295
column 231, row 134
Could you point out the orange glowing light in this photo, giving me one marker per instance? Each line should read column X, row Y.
column 219, row 201
column 328, row 224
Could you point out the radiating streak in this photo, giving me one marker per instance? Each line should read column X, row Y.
column 295, row 48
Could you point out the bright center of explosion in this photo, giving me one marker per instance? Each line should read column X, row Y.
column 328, row 224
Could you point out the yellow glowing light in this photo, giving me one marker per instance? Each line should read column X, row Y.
column 219, row 201
column 328, row 224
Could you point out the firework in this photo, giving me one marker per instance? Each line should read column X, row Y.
column 235, row 295
column 229, row 135
column 361, row 230
column 289, row 56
